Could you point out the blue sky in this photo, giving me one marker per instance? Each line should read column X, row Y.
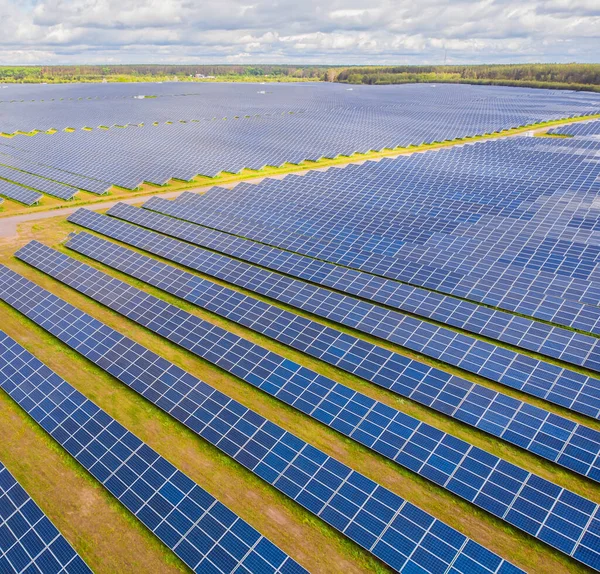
column 299, row 31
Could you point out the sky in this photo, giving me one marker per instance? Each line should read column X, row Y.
column 299, row 31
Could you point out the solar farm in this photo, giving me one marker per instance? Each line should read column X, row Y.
column 388, row 364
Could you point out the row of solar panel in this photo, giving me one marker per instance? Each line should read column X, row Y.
column 205, row 534
column 471, row 473
column 538, row 378
column 29, row 542
column 19, row 193
column 541, row 291
column 394, row 530
column 485, row 107
column 532, row 335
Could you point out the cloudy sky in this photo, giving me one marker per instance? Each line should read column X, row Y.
column 299, row 31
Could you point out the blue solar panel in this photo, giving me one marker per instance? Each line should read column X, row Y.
column 520, row 331
column 29, row 542
column 19, row 193
column 394, row 530
column 495, row 222
column 373, row 424
column 401, row 375
column 204, row 533
column 566, row 388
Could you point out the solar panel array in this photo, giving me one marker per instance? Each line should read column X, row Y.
column 286, row 124
column 416, row 219
column 483, row 256
column 394, row 530
column 542, row 338
column 204, row 533
column 19, row 193
column 555, row 384
column 32, row 167
column 116, row 104
column 590, row 129
column 336, row 405
column 29, row 542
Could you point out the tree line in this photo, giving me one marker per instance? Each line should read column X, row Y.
column 569, row 76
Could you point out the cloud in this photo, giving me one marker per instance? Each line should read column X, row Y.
column 288, row 31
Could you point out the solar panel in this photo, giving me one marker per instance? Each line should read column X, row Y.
column 47, row 186
column 29, row 542
column 19, row 193
column 377, row 426
column 204, row 533
column 491, row 222
column 394, row 530
column 566, row 388
column 542, row 338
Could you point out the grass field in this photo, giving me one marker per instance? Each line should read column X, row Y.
column 104, row 533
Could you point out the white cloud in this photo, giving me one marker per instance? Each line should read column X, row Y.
column 312, row 31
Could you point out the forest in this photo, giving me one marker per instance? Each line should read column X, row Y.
column 560, row 76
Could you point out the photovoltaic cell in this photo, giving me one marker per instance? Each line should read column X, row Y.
column 204, row 533
column 400, row 534
column 542, row 338
column 29, row 542
column 19, row 193
column 558, row 385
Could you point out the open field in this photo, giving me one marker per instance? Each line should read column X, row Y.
column 468, row 245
